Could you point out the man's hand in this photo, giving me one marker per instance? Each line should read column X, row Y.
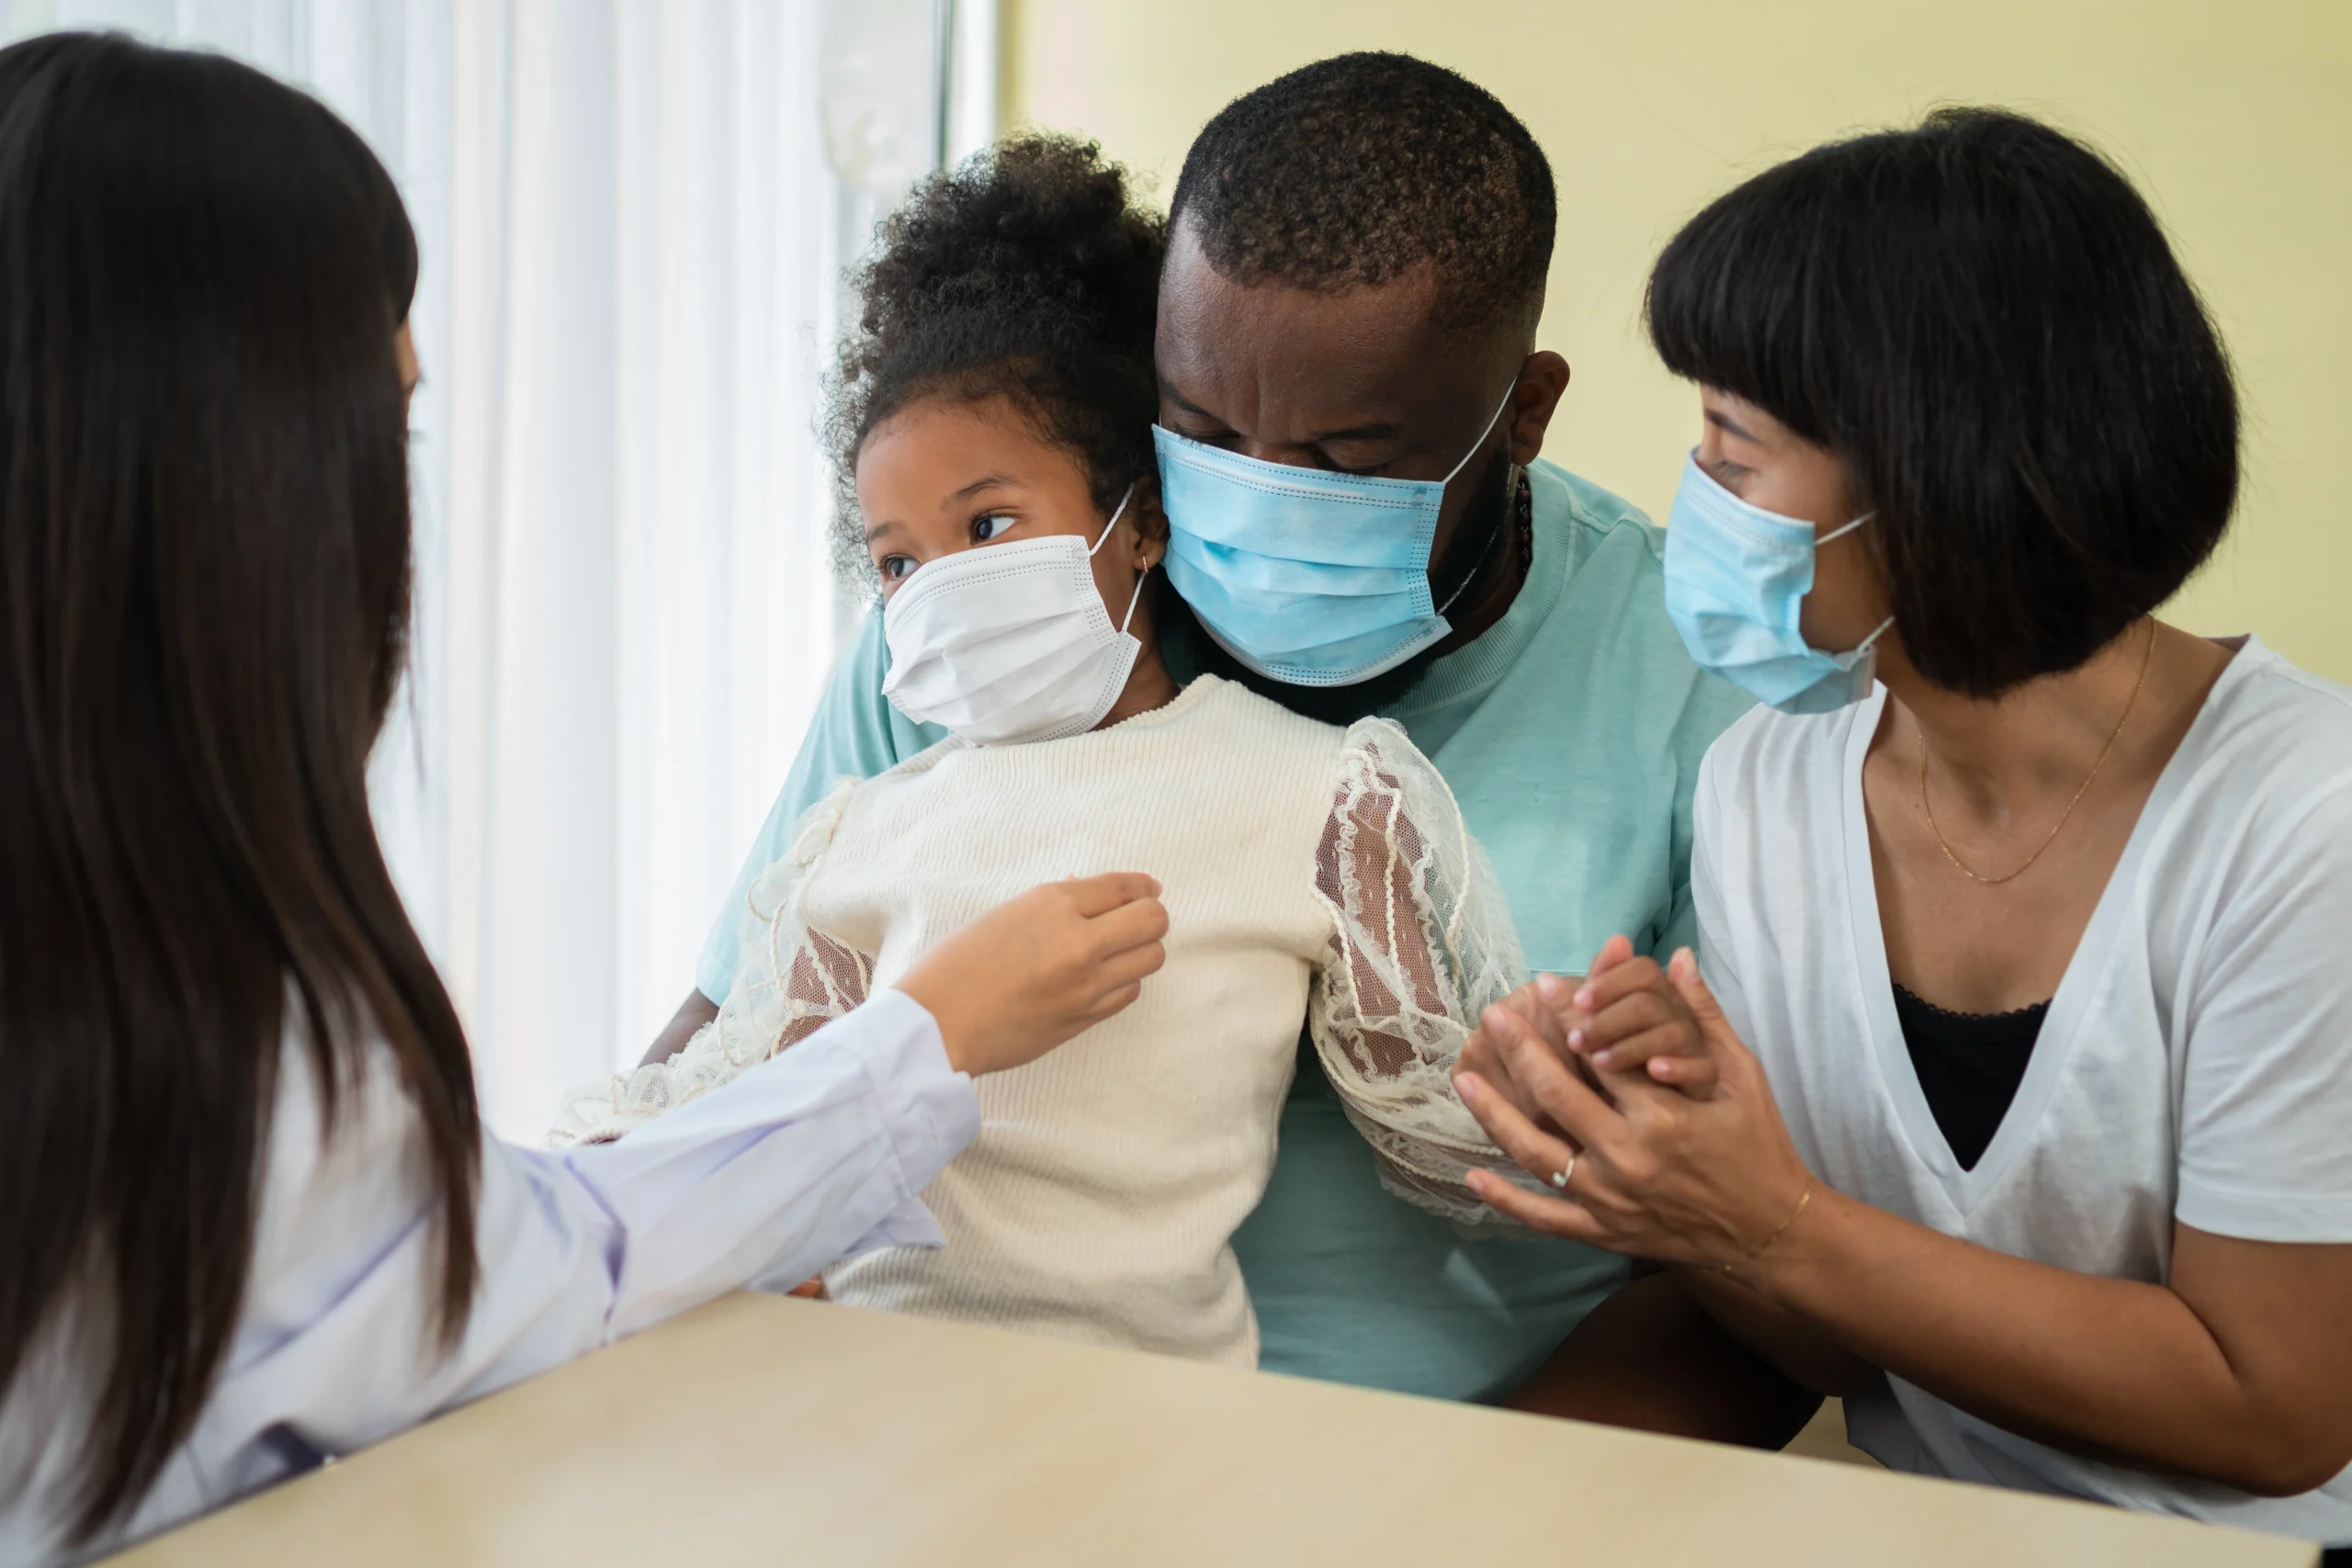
column 1041, row 969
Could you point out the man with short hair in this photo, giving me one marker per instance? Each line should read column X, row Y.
column 1355, row 274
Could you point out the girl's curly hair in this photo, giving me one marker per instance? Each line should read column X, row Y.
column 1026, row 273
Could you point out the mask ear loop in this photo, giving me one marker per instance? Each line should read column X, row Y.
column 1840, row 532
column 1136, row 597
column 1118, row 512
column 1487, row 550
column 1133, row 600
column 1492, row 420
column 1879, row 630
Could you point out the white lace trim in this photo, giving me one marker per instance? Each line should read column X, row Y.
column 1422, row 942
column 792, row 981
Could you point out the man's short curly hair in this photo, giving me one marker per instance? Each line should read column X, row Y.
column 1025, row 273
column 1356, row 170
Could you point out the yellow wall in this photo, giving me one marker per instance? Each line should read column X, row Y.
column 2236, row 119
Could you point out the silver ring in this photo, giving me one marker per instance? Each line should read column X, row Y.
column 1560, row 1179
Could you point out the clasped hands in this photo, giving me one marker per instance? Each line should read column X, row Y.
column 1632, row 1081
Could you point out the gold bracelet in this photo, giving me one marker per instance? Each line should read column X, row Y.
column 1761, row 1247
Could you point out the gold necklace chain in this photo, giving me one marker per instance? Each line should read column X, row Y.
column 2146, row 654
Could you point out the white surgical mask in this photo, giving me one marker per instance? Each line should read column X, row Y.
column 1008, row 643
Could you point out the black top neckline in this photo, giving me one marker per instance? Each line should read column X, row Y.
column 2035, row 1013
column 1969, row 1065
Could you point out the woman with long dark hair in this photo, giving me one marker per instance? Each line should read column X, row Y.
column 248, row 1216
column 2013, row 1102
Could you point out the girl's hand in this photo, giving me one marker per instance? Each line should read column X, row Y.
column 1655, row 1174
column 1041, row 968
column 1625, row 1016
column 1630, row 1016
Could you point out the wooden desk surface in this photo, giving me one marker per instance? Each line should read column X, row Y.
column 759, row 1430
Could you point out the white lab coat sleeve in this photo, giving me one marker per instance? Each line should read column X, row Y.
column 808, row 1157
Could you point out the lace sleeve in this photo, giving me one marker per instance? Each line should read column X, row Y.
column 790, row 983
column 1421, row 942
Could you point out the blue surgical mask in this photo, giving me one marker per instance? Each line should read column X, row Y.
column 1308, row 577
column 1735, row 581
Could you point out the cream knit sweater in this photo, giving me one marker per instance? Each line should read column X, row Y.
column 1301, row 863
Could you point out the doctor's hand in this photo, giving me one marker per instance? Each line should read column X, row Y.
column 1041, row 968
column 1648, row 1170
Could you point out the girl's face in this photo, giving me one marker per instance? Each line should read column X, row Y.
column 1766, row 464
column 944, row 475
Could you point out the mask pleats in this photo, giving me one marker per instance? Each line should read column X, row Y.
column 1006, row 643
column 1310, row 577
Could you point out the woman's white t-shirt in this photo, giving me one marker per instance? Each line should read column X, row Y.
column 2195, row 1066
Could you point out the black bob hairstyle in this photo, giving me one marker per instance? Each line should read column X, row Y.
column 1981, row 319
column 204, row 602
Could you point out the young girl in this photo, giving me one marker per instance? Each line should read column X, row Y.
column 993, row 427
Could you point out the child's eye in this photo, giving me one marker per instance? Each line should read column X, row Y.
column 991, row 527
column 895, row 567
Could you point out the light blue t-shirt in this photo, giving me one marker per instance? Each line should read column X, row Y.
column 1571, row 732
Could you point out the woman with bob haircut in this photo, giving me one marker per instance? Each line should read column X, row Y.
column 248, row 1216
column 2013, row 1103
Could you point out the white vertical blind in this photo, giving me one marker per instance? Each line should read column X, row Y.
column 633, row 216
